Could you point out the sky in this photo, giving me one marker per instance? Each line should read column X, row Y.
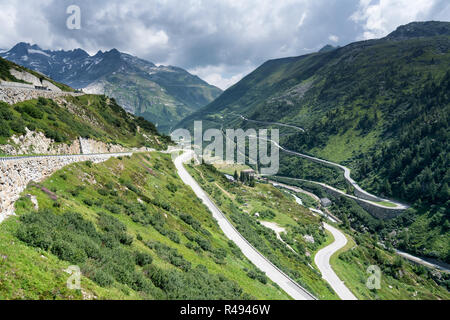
column 219, row 40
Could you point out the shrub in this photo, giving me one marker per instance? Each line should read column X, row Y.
column 158, row 276
column 4, row 129
column 258, row 275
column 88, row 202
column 267, row 214
column 114, row 193
column 32, row 111
column 102, row 278
column 54, row 135
column 141, row 283
column 5, row 113
column 18, row 126
column 35, row 236
column 68, row 251
column 173, row 236
column 132, row 188
column 76, row 192
column 98, row 203
column 113, row 208
column 114, row 228
column 203, row 243
column 172, row 188
column 143, row 259
column 42, row 101
column 103, row 192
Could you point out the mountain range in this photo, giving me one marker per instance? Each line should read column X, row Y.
column 136, row 230
column 161, row 94
column 300, row 90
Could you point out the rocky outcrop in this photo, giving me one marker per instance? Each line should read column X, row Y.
column 17, row 173
column 13, row 95
column 36, row 143
column 88, row 146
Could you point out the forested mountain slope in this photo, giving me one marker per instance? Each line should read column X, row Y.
column 378, row 106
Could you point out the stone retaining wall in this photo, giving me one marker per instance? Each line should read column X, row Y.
column 374, row 210
column 13, row 95
column 364, row 195
column 36, row 143
column 17, row 173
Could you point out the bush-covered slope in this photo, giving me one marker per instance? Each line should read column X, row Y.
column 87, row 116
column 400, row 279
column 240, row 203
column 134, row 229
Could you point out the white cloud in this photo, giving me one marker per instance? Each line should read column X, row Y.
column 302, row 20
column 383, row 16
column 7, row 22
column 144, row 39
column 221, row 39
column 220, row 76
column 333, row 38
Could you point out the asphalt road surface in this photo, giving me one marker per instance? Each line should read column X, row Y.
column 273, row 273
column 322, row 261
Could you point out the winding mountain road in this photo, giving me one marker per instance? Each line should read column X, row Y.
column 276, row 275
column 323, row 256
column 322, row 261
column 273, row 123
column 359, row 192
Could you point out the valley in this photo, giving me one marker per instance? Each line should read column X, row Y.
column 89, row 178
column 378, row 108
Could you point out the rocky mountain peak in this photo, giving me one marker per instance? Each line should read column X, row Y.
column 420, row 29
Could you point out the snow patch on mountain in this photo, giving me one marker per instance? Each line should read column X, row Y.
column 32, row 51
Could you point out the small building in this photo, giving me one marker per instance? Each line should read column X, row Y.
column 325, row 202
column 249, row 172
column 247, row 175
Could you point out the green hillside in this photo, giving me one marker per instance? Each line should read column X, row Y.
column 379, row 106
column 87, row 116
column 400, row 279
column 164, row 98
column 161, row 94
column 135, row 230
